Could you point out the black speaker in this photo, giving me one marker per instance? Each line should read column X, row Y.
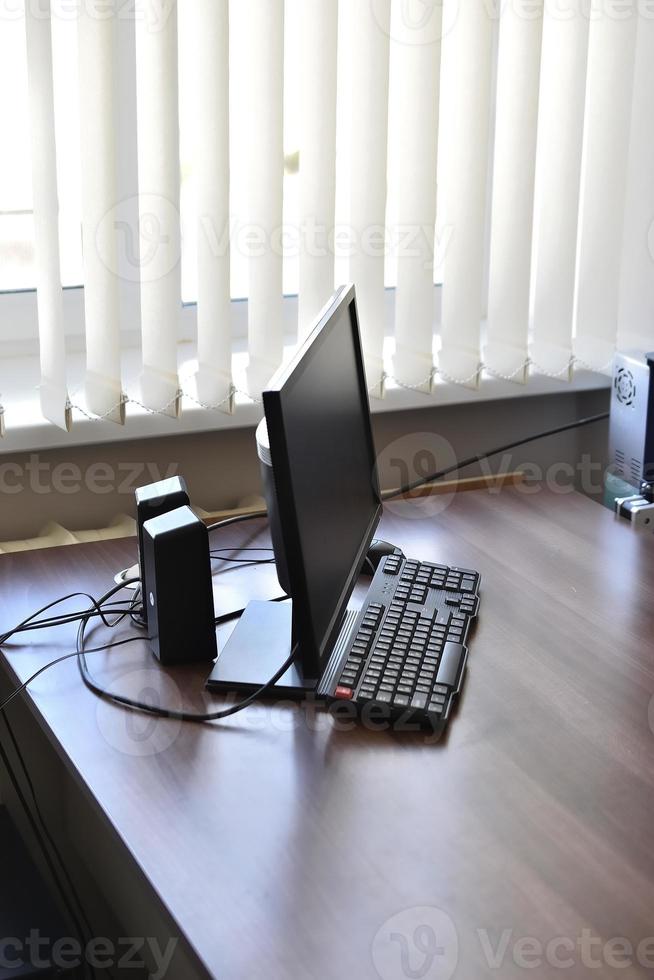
column 152, row 501
column 179, row 596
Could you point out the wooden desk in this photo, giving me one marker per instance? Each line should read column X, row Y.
column 276, row 846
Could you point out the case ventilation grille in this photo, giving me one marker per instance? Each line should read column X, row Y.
column 625, row 386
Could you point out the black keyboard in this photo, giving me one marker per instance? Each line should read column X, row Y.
column 408, row 648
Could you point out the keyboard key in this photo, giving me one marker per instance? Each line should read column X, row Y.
column 450, row 666
column 419, row 701
column 344, row 693
column 400, row 700
column 384, row 697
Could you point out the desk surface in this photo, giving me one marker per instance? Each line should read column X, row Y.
column 284, row 847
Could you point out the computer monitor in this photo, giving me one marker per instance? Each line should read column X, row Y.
column 322, row 492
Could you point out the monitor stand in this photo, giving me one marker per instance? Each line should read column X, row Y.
column 255, row 651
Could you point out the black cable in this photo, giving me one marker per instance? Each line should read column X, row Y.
column 53, row 663
column 128, row 702
column 460, row 464
column 438, row 474
column 74, row 618
column 28, row 623
column 55, row 602
column 96, row 609
column 242, row 561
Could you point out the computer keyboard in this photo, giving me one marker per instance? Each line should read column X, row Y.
column 408, row 647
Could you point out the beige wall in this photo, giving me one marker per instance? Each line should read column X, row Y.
column 86, row 487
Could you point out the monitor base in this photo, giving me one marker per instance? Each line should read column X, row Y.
column 255, row 651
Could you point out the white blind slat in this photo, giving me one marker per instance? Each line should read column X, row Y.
column 266, row 180
column 414, row 78
column 369, row 29
column 99, row 199
column 513, row 189
column 611, row 46
column 558, row 170
column 636, row 305
column 159, row 223
column 317, row 106
column 211, row 37
column 53, row 388
column 468, row 85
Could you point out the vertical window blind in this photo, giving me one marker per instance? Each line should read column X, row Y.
column 516, row 136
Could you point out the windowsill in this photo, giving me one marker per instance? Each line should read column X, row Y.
column 27, row 430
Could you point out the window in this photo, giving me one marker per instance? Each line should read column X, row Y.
column 362, row 114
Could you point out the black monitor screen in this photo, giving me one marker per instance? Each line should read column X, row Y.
column 321, row 446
